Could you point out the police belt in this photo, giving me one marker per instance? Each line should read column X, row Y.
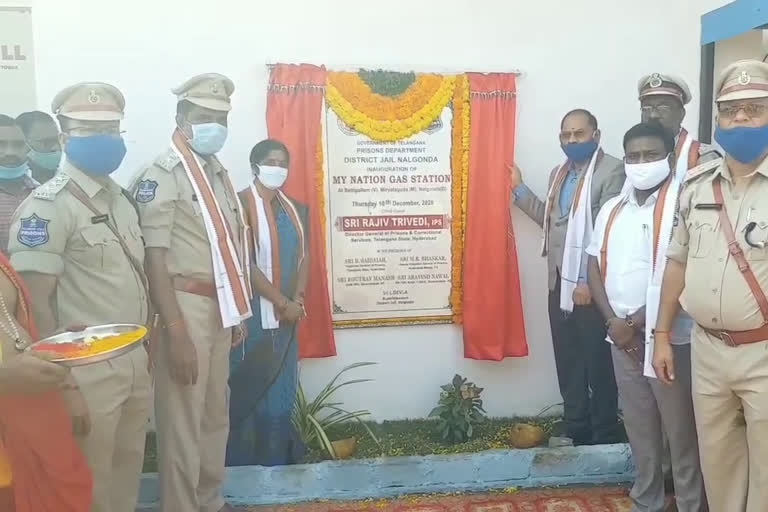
column 736, row 338
column 195, row 287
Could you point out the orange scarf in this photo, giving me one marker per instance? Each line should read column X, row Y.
column 50, row 474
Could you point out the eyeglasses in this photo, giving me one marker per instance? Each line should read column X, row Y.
column 577, row 134
column 659, row 109
column 751, row 110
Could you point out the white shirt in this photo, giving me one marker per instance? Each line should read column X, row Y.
column 628, row 252
column 629, row 259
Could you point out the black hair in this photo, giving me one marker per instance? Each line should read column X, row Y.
column 27, row 119
column 651, row 129
column 262, row 149
column 7, row 120
column 591, row 119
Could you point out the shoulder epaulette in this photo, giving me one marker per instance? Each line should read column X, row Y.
column 168, row 160
column 702, row 169
column 52, row 187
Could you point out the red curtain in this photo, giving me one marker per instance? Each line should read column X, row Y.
column 493, row 315
column 294, row 110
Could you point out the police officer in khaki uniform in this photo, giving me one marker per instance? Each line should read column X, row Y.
column 192, row 368
column 718, row 271
column 65, row 240
column 663, row 97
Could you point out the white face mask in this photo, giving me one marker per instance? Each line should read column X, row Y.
column 272, row 177
column 647, row 175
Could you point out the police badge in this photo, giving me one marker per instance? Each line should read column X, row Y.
column 146, row 190
column 655, row 80
column 744, row 78
column 33, row 231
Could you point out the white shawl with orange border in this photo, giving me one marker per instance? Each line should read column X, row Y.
column 232, row 283
column 266, row 245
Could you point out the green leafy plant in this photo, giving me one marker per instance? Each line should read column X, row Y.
column 387, row 83
column 312, row 419
column 458, row 409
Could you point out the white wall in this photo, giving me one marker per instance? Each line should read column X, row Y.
column 573, row 54
column 748, row 45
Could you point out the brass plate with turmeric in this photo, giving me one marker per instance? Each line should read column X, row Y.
column 92, row 345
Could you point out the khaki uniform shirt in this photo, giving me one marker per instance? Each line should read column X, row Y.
column 171, row 214
column 716, row 294
column 54, row 233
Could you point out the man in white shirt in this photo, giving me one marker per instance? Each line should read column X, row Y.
column 627, row 257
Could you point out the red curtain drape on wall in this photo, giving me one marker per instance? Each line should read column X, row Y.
column 294, row 109
column 493, row 314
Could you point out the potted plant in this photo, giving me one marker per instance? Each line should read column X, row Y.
column 312, row 419
column 458, row 409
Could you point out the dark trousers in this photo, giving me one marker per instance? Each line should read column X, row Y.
column 584, row 373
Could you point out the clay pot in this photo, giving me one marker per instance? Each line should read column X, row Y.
column 345, row 448
column 526, row 436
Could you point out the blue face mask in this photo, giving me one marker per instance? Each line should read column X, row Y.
column 48, row 160
column 744, row 143
column 579, row 151
column 12, row 173
column 208, row 138
column 99, row 155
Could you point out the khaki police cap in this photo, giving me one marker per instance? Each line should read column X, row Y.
column 664, row 84
column 209, row 90
column 742, row 80
column 90, row 101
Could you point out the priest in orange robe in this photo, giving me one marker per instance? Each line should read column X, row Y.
column 41, row 466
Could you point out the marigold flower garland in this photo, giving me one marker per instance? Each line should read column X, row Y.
column 383, row 118
column 459, row 170
column 320, row 182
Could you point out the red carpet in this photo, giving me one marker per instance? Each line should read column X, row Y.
column 612, row 499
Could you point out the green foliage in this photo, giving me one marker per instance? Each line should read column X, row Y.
column 406, row 438
column 312, row 419
column 387, row 83
column 458, row 410
column 418, row 437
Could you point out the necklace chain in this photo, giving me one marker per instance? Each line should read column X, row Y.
column 9, row 327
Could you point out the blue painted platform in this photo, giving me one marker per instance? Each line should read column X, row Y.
column 395, row 476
